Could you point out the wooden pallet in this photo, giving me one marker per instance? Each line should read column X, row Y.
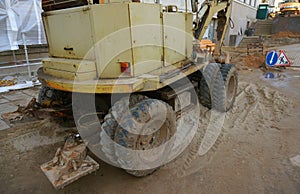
column 255, row 48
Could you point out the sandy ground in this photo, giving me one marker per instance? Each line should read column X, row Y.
column 261, row 134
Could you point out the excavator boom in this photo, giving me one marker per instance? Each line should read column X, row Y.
column 208, row 10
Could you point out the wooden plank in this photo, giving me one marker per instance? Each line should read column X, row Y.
column 255, row 48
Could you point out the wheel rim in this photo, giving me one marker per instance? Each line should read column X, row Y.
column 157, row 138
column 142, row 135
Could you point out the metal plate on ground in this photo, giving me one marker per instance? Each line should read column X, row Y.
column 88, row 166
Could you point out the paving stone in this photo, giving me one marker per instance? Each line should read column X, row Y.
column 7, row 107
column 3, row 125
column 31, row 92
column 2, row 101
column 22, row 102
column 13, row 96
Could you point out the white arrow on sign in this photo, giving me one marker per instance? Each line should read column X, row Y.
column 271, row 61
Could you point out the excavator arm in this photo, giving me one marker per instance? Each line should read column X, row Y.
column 207, row 11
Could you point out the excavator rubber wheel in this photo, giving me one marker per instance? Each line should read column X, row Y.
column 143, row 114
column 110, row 124
column 218, row 86
column 230, row 77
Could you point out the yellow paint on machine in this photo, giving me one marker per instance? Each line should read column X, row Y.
column 87, row 44
column 90, row 88
column 71, row 65
column 147, row 82
column 71, row 75
column 133, row 34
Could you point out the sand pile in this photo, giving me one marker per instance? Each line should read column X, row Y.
column 285, row 34
column 256, row 108
column 254, row 60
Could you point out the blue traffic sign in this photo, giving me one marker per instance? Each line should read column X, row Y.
column 271, row 58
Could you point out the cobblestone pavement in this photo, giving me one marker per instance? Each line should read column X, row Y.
column 10, row 101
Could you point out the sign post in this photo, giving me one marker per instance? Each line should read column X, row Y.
column 26, row 55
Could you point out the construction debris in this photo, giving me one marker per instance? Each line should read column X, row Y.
column 29, row 111
column 18, row 86
column 6, row 82
column 285, row 34
column 34, row 111
column 255, row 61
column 69, row 163
column 253, row 48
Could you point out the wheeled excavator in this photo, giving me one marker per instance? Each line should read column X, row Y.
column 137, row 68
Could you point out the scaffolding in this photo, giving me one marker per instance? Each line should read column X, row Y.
column 20, row 26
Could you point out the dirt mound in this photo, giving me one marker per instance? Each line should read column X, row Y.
column 285, row 34
column 254, row 60
column 256, row 108
column 259, row 106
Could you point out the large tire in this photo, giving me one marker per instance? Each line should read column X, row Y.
column 110, row 124
column 137, row 115
column 230, row 77
column 212, row 88
column 218, row 86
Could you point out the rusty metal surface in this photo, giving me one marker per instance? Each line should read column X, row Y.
column 69, row 163
column 283, row 24
column 72, row 176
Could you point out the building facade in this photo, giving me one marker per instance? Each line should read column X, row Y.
column 242, row 15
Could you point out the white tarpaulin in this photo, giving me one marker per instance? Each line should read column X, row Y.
column 17, row 17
